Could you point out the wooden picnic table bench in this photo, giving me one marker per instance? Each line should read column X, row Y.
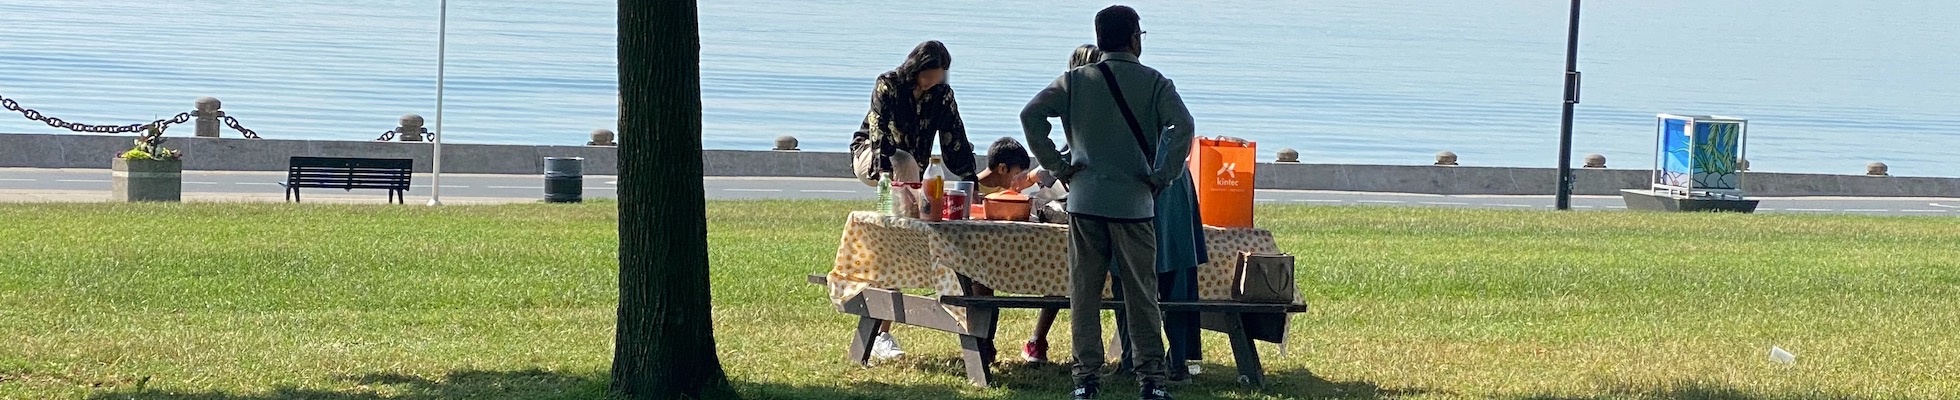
column 391, row 174
column 1241, row 322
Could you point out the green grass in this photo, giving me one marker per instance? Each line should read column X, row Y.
column 265, row 301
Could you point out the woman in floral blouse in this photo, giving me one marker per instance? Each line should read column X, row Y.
column 912, row 108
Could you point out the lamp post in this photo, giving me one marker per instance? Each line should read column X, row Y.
column 442, row 62
column 1564, row 201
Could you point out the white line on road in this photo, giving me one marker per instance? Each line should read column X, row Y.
column 1582, row 206
column 1867, row 210
column 1315, row 201
column 256, row 183
column 511, row 187
column 1617, row 207
column 1941, row 205
column 601, row 188
column 1444, row 203
column 443, row 186
column 1381, row 201
column 1923, row 211
column 752, row 190
column 82, row 180
column 16, row 180
column 1511, row 205
column 612, row 182
column 826, row 191
column 199, row 183
column 1807, row 209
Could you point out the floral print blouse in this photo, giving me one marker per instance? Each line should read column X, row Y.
column 898, row 121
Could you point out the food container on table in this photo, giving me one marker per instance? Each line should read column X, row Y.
column 907, row 199
column 1008, row 206
column 959, row 201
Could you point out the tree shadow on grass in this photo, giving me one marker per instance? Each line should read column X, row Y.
column 474, row 384
column 1219, row 381
column 1690, row 391
column 526, row 385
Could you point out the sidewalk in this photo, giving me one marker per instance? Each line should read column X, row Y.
column 372, row 197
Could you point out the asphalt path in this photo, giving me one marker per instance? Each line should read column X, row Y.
column 24, row 180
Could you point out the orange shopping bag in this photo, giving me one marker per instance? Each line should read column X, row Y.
column 1222, row 171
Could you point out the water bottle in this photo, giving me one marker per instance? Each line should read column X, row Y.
column 885, row 193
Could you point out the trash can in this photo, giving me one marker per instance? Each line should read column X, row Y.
column 564, row 179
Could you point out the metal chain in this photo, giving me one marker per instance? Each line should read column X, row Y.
column 390, row 135
column 161, row 124
column 233, row 124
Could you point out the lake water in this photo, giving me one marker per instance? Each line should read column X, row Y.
column 1827, row 85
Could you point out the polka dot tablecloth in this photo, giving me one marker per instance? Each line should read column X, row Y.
column 1010, row 257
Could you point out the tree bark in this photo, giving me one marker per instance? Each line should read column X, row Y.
column 664, row 347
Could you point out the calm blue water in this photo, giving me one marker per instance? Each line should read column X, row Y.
column 1827, row 85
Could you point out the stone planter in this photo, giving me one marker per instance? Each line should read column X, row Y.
column 146, row 180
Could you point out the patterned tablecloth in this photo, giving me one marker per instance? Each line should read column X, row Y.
column 1010, row 257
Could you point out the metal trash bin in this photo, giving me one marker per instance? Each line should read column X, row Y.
column 564, row 179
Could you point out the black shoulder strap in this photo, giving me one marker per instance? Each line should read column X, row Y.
column 1122, row 103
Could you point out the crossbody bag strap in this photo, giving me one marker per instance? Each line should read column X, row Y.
column 1122, row 103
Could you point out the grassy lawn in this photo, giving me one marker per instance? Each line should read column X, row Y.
column 273, row 301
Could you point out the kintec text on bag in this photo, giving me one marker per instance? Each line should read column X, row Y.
column 1223, row 170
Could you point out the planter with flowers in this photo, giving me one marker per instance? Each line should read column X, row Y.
column 148, row 172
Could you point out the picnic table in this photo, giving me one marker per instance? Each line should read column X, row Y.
column 879, row 255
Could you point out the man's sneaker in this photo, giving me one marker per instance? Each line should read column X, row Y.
column 1155, row 392
column 1195, row 369
column 1035, row 351
column 886, row 347
column 1086, row 391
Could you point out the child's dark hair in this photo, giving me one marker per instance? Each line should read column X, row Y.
column 1008, row 151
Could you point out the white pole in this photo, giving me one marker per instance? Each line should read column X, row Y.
column 442, row 62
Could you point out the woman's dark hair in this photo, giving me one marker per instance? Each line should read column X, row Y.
column 1084, row 55
column 930, row 55
column 1008, row 151
column 1115, row 27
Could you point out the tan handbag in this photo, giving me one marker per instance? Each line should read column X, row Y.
column 1264, row 278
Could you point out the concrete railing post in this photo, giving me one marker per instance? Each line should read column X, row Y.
column 1595, row 160
column 207, row 116
column 1877, row 169
column 602, row 137
column 410, row 129
column 1289, row 155
column 1446, row 158
column 786, row 143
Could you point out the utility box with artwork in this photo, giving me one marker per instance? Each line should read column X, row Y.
column 1696, row 166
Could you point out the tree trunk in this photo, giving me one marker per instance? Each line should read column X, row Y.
column 665, row 345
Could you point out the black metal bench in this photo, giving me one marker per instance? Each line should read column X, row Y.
column 391, row 174
column 1241, row 322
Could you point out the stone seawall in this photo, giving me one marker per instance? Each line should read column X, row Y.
column 95, row 151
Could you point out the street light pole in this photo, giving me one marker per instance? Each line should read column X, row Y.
column 1565, row 122
column 442, row 63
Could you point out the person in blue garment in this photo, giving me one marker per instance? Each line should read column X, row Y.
column 1180, row 251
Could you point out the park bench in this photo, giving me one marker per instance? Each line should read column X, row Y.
column 1241, row 322
column 391, row 174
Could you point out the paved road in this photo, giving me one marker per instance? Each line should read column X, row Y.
column 521, row 186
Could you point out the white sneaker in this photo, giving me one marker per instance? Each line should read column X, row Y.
column 886, row 347
column 1195, row 369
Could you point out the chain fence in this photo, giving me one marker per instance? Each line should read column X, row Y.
column 160, row 125
column 391, row 134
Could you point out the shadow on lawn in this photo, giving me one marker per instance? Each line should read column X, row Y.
column 1691, row 391
column 1053, row 380
column 527, row 385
